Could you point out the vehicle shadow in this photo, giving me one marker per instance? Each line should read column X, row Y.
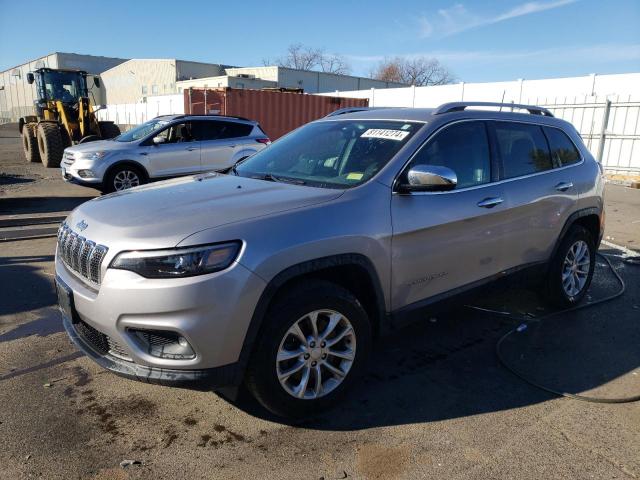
column 24, row 288
column 26, row 205
column 446, row 367
column 7, row 179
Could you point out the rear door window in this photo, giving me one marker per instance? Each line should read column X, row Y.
column 563, row 150
column 206, row 130
column 523, row 149
column 462, row 147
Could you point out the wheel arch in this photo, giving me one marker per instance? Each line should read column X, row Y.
column 352, row 271
column 126, row 162
column 589, row 218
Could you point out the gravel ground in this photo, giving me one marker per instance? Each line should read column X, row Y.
column 435, row 402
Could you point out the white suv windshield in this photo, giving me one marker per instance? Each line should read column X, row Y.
column 330, row 154
column 142, row 131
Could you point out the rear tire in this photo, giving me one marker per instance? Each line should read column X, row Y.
column 571, row 269
column 50, row 144
column 109, row 130
column 292, row 396
column 30, row 143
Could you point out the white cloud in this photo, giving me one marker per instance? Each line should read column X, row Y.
column 456, row 19
column 595, row 54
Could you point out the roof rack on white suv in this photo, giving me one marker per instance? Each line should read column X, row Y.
column 459, row 106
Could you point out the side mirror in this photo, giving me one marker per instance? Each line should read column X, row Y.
column 99, row 107
column 159, row 140
column 30, row 78
column 429, row 178
column 96, row 82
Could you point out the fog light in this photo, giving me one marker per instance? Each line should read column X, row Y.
column 163, row 344
column 86, row 173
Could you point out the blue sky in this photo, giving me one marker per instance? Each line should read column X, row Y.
column 477, row 40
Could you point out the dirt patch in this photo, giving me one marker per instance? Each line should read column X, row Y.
column 379, row 462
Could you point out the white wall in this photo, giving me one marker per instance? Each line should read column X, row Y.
column 136, row 113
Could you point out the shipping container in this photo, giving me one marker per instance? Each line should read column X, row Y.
column 277, row 112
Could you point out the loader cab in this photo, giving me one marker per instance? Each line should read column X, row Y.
column 67, row 86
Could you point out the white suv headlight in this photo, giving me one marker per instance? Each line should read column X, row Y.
column 179, row 262
column 97, row 155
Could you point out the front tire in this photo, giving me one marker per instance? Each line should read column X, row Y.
column 315, row 343
column 571, row 269
column 122, row 178
column 50, row 144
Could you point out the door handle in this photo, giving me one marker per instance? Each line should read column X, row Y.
column 231, row 146
column 564, row 186
column 490, row 202
column 191, row 149
column 144, row 153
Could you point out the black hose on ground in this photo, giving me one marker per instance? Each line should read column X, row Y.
column 526, row 321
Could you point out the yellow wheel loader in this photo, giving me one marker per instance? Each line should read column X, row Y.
column 64, row 116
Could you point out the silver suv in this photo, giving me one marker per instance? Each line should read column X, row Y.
column 167, row 146
column 280, row 273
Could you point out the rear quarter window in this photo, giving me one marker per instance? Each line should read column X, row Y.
column 235, row 129
column 563, row 150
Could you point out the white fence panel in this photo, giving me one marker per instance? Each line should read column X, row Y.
column 136, row 113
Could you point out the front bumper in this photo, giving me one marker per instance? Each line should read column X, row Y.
column 69, row 170
column 224, row 376
column 211, row 311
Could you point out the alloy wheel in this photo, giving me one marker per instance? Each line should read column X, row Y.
column 575, row 269
column 316, row 354
column 125, row 179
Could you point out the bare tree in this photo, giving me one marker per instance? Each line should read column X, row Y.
column 419, row 71
column 302, row 57
column 334, row 64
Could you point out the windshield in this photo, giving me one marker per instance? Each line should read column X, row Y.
column 142, row 131
column 64, row 86
column 330, row 154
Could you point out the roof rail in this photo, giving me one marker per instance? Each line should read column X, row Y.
column 460, row 106
column 342, row 111
column 185, row 115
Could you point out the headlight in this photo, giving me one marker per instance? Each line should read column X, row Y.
column 97, row 155
column 179, row 262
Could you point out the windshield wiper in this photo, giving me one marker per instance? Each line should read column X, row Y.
column 270, row 177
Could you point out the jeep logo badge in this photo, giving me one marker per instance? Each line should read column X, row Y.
column 82, row 225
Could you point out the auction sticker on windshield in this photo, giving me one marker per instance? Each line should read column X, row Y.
column 385, row 133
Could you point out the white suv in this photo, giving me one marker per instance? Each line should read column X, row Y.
column 167, row 146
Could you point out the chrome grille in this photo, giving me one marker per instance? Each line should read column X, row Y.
column 81, row 255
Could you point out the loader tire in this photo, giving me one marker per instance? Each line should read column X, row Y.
column 50, row 144
column 29, row 143
column 109, row 130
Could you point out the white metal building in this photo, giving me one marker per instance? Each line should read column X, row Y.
column 136, row 79
column 17, row 96
column 225, row 81
column 309, row 81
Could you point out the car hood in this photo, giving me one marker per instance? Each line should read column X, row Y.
column 99, row 145
column 160, row 215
